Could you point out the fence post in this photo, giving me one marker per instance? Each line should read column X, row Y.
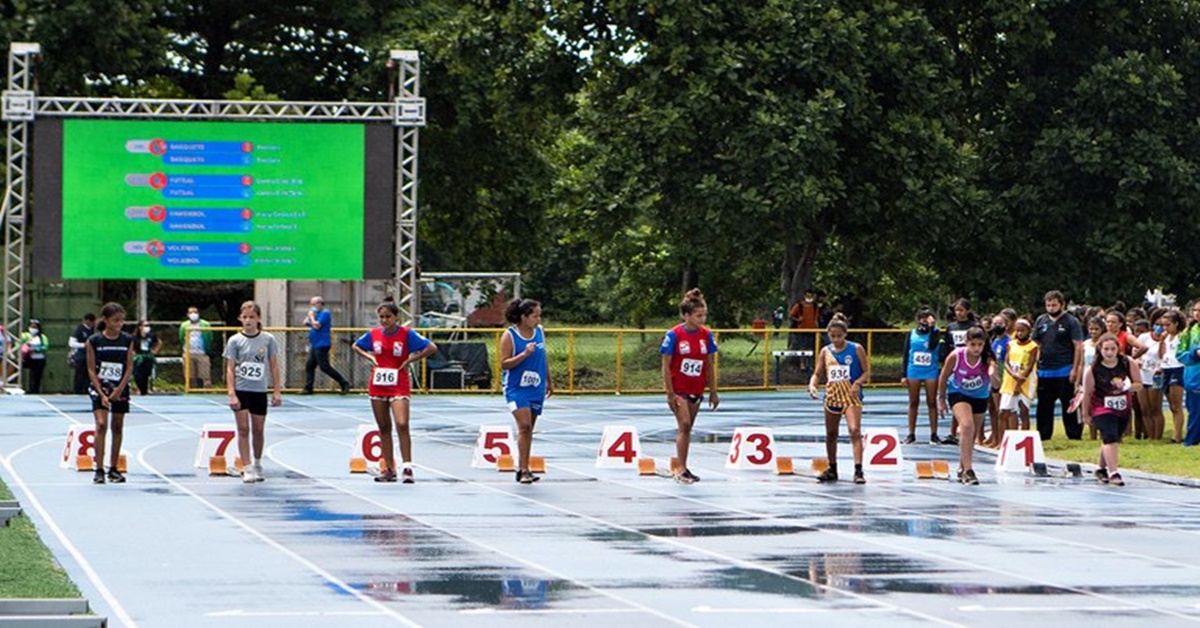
column 571, row 361
column 766, row 369
column 870, row 346
column 620, row 338
column 717, row 361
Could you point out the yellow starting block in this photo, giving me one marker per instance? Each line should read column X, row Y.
column 358, row 465
column 819, row 465
column 675, row 465
column 941, row 469
column 504, row 462
column 537, row 464
column 925, row 470
column 217, row 465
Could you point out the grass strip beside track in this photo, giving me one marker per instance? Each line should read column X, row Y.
column 1162, row 457
column 27, row 569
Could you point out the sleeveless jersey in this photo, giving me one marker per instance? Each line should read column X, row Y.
column 527, row 380
column 922, row 361
column 390, row 351
column 690, row 358
column 111, row 354
column 970, row 380
column 1110, row 388
column 1020, row 357
column 842, row 369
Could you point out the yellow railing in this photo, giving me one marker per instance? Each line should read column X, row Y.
column 582, row 360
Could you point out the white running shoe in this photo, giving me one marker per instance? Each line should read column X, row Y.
column 248, row 475
column 258, row 473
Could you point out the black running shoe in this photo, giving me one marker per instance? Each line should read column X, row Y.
column 910, row 439
column 526, row 477
column 858, row 477
column 1102, row 475
column 828, row 475
column 968, row 477
column 116, row 477
column 950, row 440
column 407, row 476
column 386, row 476
column 98, row 478
column 687, row 473
column 1116, row 480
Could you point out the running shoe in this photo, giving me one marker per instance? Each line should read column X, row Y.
column 934, row 440
column 258, row 473
column 828, row 475
column 682, row 478
column 1102, row 475
column 968, row 477
column 115, row 476
column 858, row 477
column 386, row 476
column 345, row 388
column 98, row 478
column 687, row 473
column 950, row 440
column 910, row 439
column 1115, row 480
column 248, row 476
column 526, row 477
column 406, row 476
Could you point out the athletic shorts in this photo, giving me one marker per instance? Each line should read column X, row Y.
column 1172, row 377
column 1111, row 426
column 692, row 399
column 978, row 405
column 255, row 402
column 535, row 407
column 1012, row 402
column 120, row 406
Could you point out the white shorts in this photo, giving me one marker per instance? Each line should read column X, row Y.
column 1012, row 401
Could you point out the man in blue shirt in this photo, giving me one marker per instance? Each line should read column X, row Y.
column 320, row 322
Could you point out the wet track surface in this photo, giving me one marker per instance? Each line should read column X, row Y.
column 317, row 546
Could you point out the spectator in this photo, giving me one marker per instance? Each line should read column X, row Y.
column 196, row 341
column 77, row 357
column 1060, row 338
column 145, row 351
column 320, row 322
column 33, row 354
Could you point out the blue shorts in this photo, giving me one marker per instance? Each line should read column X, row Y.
column 1172, row 377
column 534, row 405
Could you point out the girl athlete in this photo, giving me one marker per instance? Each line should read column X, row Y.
column 1019, row 386
column 1150, row 397
column 686, row 370
column 1189, row 355
column 1001, row 335
column 963, row 387
column 1173, row 367
column 391, row 348
column 526, row 379
column 956, row 338
column 1106, row 406
column 921, row 371
column 846, row 368
column 250, row 357
column 109, row 365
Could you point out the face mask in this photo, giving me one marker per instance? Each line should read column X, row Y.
column 195, row 318
column 34, row 332
column 146, row 329
column 924, row 329
column 1159, row 329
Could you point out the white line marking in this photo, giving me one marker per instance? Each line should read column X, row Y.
column 242, row 613
column 742, row 611
column 977, row 608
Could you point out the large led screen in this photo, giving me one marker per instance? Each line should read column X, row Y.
column 212, row 200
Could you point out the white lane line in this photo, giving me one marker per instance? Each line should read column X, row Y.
column 31, row 500
column 228, row 516
column 243, row 613
column 800, row 610
column 601, row 522
column 978, row 608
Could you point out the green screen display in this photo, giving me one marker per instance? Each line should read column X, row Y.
column 212, row 200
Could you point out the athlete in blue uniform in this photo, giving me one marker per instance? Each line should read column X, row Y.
column 526, row 379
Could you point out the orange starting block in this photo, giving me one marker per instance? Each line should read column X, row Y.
column 941, row 469
column 675, row 465
column 819, row 465
column 358, row 465
column 217, row 465
column 646, row 466
column 784, row 466
column 537, row 464
column 504, row 462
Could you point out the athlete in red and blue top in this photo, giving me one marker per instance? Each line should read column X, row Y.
column 391, row 348
column 686, row 368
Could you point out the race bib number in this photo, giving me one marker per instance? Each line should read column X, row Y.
column 1119, row 403
column 975, row 383
column 959, row 337
column 691, row 368
column 530, row 379
column 385, row 377
column 111, row 371
column 251, row 371
column 839, row 373
column 923, row 358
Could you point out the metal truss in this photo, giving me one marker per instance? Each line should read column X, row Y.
column 18, row 100
column 408, row 289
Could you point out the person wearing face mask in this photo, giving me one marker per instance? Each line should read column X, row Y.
column 196, row 340
column 33, row 354
column 1150, row 397
column 77, row 357
column 1060, row 338
column 921, row 369
column 145, row 349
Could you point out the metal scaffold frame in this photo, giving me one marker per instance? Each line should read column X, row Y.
column 21, row 106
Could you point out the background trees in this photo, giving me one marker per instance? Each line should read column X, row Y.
column 617, row 151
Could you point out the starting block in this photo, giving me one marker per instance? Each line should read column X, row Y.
column 537, row 464
column 675, row 466
column 941, row 469
column 358, row 465
column 819, row 465
column 1074, row 470
column 1039, row 469
column 646, row 466
column 218, row 465
column 85, row 463
column 924, row 470
column 784, row 466
column 504, row 462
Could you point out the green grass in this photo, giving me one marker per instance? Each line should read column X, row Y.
column 1162, row 457
column 27, row 569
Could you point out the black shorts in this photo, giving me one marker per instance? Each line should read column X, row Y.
column 978, row 405
column 118, row 406
column 1111, row 426
column 255, row 402
column 692, row 399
